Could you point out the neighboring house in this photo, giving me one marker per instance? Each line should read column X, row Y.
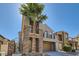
column 1, row 42
column 7, row 47
column 62, row 39
column 77, row 40
column 73, row 43
column 36, row 40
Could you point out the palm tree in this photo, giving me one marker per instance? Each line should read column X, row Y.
column 33, row 11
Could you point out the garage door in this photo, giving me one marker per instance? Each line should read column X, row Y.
column 48, row 46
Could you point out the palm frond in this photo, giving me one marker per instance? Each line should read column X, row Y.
column 41, row 18
column 34, row 11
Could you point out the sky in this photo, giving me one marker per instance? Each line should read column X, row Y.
column 61, row 17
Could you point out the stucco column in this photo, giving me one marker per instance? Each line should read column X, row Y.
column 41, row 41
column 33, row 45
column 26, row 40
column 40, row 45
column 25, row 47
column 57, row 42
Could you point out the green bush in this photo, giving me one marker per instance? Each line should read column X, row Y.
column 67, row 48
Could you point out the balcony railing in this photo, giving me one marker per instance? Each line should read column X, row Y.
column 30, row 29
column 37, row 33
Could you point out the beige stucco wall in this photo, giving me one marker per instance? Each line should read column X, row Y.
column 77, row 39
column 4, row 49
column 44, row 27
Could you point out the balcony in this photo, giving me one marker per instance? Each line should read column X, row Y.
column 37, row 34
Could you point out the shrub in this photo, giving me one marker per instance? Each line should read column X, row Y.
column 67, row 48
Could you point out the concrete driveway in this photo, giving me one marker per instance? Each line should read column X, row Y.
column 56, row 53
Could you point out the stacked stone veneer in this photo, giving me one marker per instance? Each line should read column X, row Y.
column 25, row 37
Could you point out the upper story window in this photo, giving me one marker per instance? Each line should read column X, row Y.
column 46, row 34
column 54, row 36
column 66, row 36
column 50, row 35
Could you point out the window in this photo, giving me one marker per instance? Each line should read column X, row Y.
column 50, row 35
column 46, row 34
column 66, row 36
column 54, row 36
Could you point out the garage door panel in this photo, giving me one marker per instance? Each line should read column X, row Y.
column 47, row 46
